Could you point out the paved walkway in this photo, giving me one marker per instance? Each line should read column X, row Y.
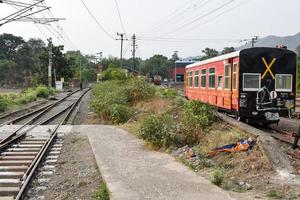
column 133, row 173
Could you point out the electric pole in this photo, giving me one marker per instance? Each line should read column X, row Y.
column 254, row 40
column 175, row 71
column 134, row 46
column 50, row 62
column 122, row 39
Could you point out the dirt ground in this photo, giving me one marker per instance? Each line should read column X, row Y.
column 77, row 175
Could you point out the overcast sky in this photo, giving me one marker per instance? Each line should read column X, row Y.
column 161, row 26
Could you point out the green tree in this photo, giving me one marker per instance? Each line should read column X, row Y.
column 227, row 50
column 156, row 65
column 8, row 46
column 209, row 53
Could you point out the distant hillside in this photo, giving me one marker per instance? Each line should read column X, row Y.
column 292, row 42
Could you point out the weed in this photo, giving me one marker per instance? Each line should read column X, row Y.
column 102, row 192
column 275, row 194
column 218, row 176
column 120, row 113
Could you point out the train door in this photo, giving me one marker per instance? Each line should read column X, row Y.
column 234, row 86
column 227, row 86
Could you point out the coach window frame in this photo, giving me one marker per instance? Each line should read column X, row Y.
column 251, row 89
column 229, row 76
column 190, row 77
column 211, row 74
column 205, row 77
column 196, row 76
column 284, row 90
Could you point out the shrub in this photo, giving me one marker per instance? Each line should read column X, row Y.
column 218, row 176
column 200, row 112
column 171, row 93
column 42, row 91
column 3, row 103
column 159, row 130
column 27, row 96
column 112, row 98
column 138, row 89
column 120, row 113
column 114, row 73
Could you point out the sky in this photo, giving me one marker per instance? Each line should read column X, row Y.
column 161, row 26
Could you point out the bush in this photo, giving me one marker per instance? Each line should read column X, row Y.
column 171, row 93
column 111, row 99
column 3, row 103
column 138, row 89
column 218, row 177
column 159, row 130
column 42, row 91
column 120, row 113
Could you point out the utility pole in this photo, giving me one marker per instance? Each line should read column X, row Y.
column 175, row 71
column 50, row 62
column 134, row 46
column 254, row 40
column 122, row 39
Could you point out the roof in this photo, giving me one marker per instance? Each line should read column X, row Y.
column 185, row 61
column 215, row 59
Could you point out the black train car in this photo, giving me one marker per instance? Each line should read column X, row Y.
column 267, row 88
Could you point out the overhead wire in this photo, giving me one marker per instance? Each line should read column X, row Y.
column 187, row 12
column 201, row 17
column 120, row 18
column 162, row 21
column 222, row 13
column 97, row 22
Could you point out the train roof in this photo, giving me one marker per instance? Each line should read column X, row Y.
column 215, row 59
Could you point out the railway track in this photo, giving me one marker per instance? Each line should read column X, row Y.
column 22, row 154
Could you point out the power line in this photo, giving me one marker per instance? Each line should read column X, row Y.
column 221, row 14
column 181, row 15
column 97, row 22
column 202, row 16
column 120, row 18
column 180, row 9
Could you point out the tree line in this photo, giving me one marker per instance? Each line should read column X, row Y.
column 25, row 63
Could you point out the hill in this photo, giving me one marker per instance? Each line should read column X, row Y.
column 292, row 42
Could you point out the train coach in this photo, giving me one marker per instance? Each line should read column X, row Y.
column 257, row 85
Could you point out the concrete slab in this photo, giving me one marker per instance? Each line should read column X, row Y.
column 134, row 173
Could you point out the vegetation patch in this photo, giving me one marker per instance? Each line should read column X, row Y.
column 102, row 193
column 29, row 95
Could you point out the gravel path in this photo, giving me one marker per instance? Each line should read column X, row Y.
column 77, row 175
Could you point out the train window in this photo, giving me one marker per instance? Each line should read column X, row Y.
column 283, row 82
column 227, row 76
column 251, row 82
column 220, row 82
column 196, row 79
column 211, row 77
column 203, row 78
column 190, row 79
column 234, row 78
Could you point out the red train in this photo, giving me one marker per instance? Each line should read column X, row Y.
column 256, row 85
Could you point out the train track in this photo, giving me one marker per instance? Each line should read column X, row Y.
column 21, row 154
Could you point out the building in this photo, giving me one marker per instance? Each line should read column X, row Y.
column 179, row 70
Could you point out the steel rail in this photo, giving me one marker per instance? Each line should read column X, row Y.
column 43, row 111
column 4, row 115
column 34, row 165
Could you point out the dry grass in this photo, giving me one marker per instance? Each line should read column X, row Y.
column 157, row 105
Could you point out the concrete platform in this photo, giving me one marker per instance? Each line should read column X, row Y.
column 134, row 173
column 131, row 171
